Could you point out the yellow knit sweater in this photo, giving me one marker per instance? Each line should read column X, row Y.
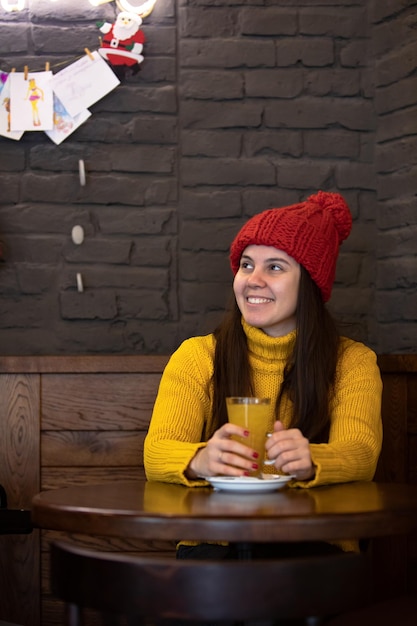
column 182, row 412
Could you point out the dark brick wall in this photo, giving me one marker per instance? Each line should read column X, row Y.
column 237, row 107
column 394, row 27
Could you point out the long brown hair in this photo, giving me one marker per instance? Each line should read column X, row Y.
column 309, row 374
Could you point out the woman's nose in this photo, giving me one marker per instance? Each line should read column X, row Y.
column 256, row 278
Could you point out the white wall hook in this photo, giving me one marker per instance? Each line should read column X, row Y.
column 77, row 234
column 81, row 169
column 80, row 285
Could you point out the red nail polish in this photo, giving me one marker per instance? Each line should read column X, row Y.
column 246, row 433
column 255, row 455
column 246, row 473
column 254, row 465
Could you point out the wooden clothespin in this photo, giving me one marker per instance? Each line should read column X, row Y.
column 88, row 53
column 47, row 66
column 26, row 71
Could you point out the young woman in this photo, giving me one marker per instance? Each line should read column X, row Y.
column 277, row 341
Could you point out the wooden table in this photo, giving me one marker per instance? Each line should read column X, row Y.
column 153, row 510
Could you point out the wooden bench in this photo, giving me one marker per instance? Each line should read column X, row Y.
column 83, row 419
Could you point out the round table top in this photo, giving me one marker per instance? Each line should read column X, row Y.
column 155, row 510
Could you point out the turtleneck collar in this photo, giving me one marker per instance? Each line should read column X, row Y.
column 268, row 348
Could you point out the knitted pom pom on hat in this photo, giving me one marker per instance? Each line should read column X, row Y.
column 310, row 232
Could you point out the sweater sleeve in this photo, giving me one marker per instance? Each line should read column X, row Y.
column 181, row 413
column 356, row 427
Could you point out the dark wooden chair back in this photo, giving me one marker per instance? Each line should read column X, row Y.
column 13, row 521
column 163, row 588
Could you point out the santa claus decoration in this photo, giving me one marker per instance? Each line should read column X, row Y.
column 122, row 43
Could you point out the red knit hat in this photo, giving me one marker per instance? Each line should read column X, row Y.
column 310, row 232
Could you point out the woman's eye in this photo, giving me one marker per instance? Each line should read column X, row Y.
column 276, row 268
column 245, row 265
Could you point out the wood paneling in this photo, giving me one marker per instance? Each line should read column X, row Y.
column 83, row 420
column 19, row 474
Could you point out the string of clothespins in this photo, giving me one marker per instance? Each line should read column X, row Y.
column 48, row 65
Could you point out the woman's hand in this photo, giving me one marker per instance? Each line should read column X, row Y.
column 223, row 455
column 291, row 452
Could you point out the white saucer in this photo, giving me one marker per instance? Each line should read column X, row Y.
column 249, row 484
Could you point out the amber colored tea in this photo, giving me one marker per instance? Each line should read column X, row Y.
column 253, row 414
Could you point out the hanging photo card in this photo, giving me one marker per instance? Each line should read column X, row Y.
column 31, row 101
column 64, row 124
column 82, row 83
column 5, row 106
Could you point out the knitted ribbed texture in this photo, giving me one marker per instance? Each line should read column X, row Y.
column 182, row 411
column 310, row 232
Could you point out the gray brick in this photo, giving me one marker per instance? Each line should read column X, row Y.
column 198, row 298
column 37, row 248
column 397, row 338
column 398, row 154
column 273, row 83
column 71, row 39
column 355, row 175
column 337, row 82
column 44, row 218
column 14, row 39
column 399, row 242
column 280, row 142
column 221, row 115
column 268, row 21
column 305, row 174
column 343, row 22
column 211, row 84
column 12, row 158
column 221, row 204
column 396, row 307
column 397, row 96
column 91, row 304
column 348, row 268
column 194, row 267
column 34, row 278
column 397, row 273
column 331, row 143
column 230, row 54
column 31, row 312
column 397, row 211
column 160, row 130
column 396, row 65
column 151, row 251
column 205, row 143
column 355, row 53
column 99, row 277
column 10, row 284
column 161, row 99
column 382, row 9
column 386, row 35
column 115, row 251
column 257, row 200
column 203, row 22
column 351, row 113
column 208, row 235
column 398, row 184
column 158, row 70
column 227, row 172
column 154, row 221
column 142, row 304
column 398, row 124
column 311, row 52
column 159, row 39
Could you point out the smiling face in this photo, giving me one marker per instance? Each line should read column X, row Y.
column 266, row 289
